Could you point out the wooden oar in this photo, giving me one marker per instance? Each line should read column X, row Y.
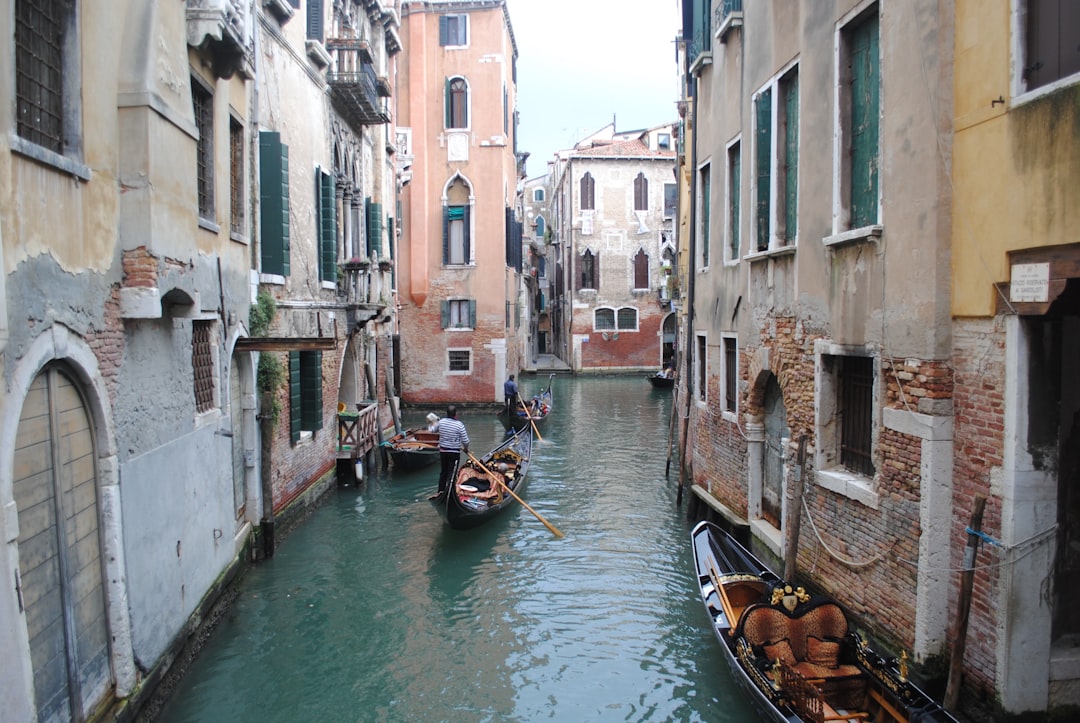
column 491, row 475
column 529, row 417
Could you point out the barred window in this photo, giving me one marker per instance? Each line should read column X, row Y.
column 604, row 320
column 627, row 319
column 204, row 121
column 458, row 360
column 202, row 360
column 236, row 176
column 40, row 37
column 855, row 410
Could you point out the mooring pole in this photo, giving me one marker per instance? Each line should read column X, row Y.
column 963, row 604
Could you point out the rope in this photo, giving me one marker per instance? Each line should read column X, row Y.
column 837, row 556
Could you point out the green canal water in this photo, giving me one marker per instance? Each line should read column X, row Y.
column 374, row 610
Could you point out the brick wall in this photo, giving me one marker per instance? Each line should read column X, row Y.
column 624, row 349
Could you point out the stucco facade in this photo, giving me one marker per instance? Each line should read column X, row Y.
column 460, row 283
column 1016, row 272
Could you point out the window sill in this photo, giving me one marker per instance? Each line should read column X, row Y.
column 771, row 253
column 279, row 9
column 318, row 54
column 275, row 279
column 452, row 329
column 49, row 158
column 1029, row 96
column 852, row 486
column 208, row 225
column 855, row 235
column 732, row 417
column 240, row 238
column 458, row 266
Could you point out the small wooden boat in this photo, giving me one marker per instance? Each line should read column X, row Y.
column 413, row 449
column 538, row 409
column 794, row 654
column 475, row 495
column 660, row 381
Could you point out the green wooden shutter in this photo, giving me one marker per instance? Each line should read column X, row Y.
column 446, row 235
column 311, row 390
column 735, row 194
column 466, row 232
column 865, row 88
column 444, row 35
column 327, row 227
column 706, row 212
column 763, row 159
column 444, row 309
column 790, row 90
column 472, row 313
column 374, row 227
column 448, row 120
column 274, row 203
column 294, row 396
column 315, row 20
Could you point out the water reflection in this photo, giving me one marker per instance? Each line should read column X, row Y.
column 375, row 610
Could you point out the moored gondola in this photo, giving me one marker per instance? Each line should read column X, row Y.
column 659, row 380
column 479, row 490
column 793, row 653
column 413, row 449
column 529, row 412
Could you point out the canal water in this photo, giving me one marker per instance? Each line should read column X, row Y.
column 374, row 610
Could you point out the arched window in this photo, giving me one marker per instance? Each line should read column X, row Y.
column 457, row 103
column 604, row 320
column 589, row 270
column 588, row 193
column 641, row 270
column 627, row 319
column 641, row 193
column 539, row 227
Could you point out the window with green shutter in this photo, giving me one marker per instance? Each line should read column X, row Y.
column 734, row 195
column 763, row 167
column 305, row 393
column 295, row 397
column 374, row 227
column 274, row 203
column 456, row 235
column 864, row 91
column 704, row 202
column 788, row 162
column 327, row 206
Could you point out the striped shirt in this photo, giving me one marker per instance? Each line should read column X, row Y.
column 452, row 435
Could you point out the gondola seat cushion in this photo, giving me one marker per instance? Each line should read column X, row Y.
column 813, row 638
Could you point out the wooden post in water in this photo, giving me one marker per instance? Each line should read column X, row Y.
column 963, row 605
column 794, row 515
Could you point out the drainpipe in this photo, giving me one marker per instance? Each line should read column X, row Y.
column 692, row 253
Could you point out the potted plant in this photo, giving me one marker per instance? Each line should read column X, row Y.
column 356, row 263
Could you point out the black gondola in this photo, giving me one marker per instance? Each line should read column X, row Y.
column 475, row 496
column 661, row 381
column 536, row 409
column 794, row 654
column 413, row 449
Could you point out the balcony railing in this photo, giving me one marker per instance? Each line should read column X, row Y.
column 367, row 289
column 728, row 15
column 358, row 432
column 356, row 91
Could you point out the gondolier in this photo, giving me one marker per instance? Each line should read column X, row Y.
column 453, row 439
column 510, row 392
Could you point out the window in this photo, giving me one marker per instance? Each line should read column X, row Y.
column 274, row 203
column 47, row 92
column 671, row 199
column 845, row 412
column 204, row 154
column 663, row 141
column 604, row 320
column 202, row 362
column 315, row 20
column 1051, row 51
column 860, row 88
column 539, row 227
column 453, row 30
column 641, row 193
column 456, row 235
column 589, row 263
column 305, row 393
column 776, row 161
column 734, row 195
column 588, row 193
column 459, row 314
column 374, row 214
column 730, row 388
column 626, row 319
column 704, row 201
column 641, row 270
column 538, row 195
column 457, row 103
column 236, row 176
column 459, row 360
column 700, row 363
column 326, row 208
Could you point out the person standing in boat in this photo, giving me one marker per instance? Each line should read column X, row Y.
column 510, row 390
column 453, row 440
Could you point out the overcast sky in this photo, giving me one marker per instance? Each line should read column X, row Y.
column 582, row 62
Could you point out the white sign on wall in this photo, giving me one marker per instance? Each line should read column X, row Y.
column 1030, row 282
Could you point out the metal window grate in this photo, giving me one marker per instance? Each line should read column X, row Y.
column 458, row 360
column 202, row 361
column 731, row 368
column 204, row 120
column 236, row 176
column 39, row 65
column 855, row 407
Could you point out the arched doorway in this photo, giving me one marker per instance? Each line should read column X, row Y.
column 776, row 431
column 55, row 490
column 667, row 342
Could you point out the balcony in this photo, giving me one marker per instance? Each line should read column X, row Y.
column 356, row 91
column 367, row 290
column 728, row 15
column 223, row 29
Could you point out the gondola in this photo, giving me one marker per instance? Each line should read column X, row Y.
column 475, row 495
column 660, row 381
column 795, row 654
column 413, row 449
column 538, row 409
